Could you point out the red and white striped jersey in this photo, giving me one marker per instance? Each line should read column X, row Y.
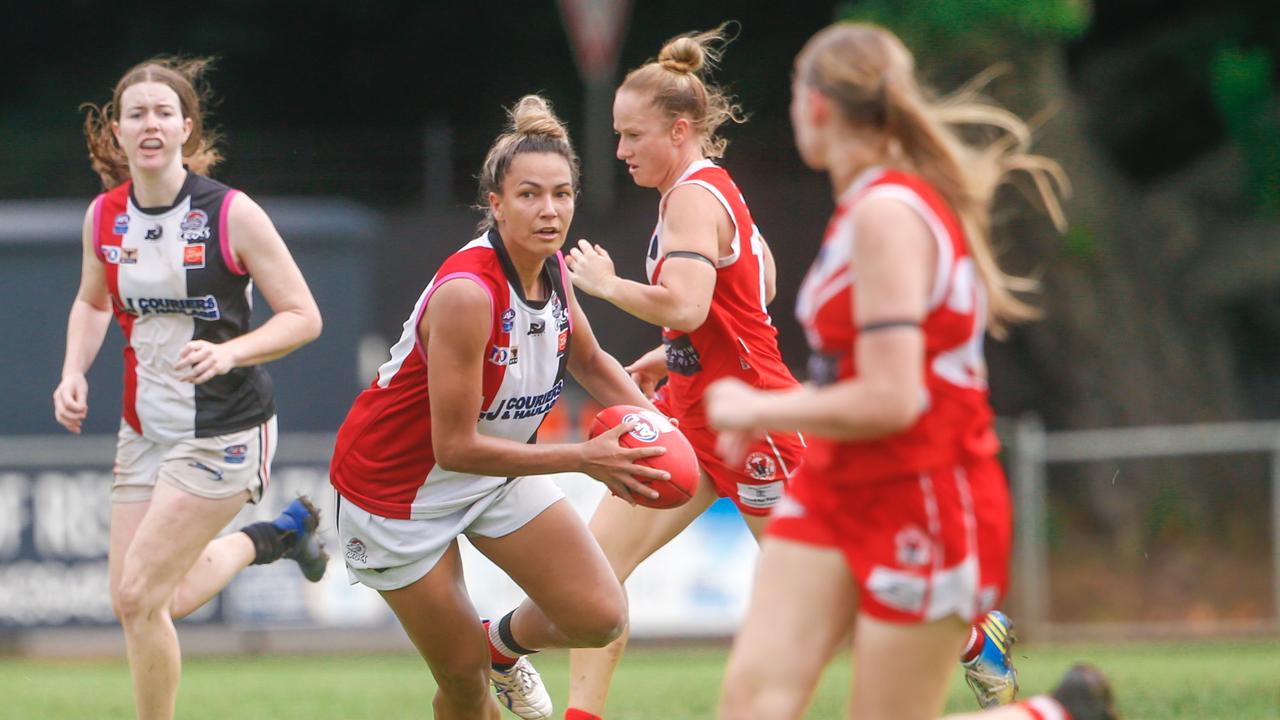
column 383, row 460
column 955, row 424
column 738, row 338
column 173, row 278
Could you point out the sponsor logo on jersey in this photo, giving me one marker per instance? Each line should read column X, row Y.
column 559, row 313
column 203, row 308
column 537, row 327
column 524, row 406
column 760, row 496
column 682, row 356
column 193, row 255
column 508, row 320
column 155, row 232
column 761, row 467
column 913, row 548
column 504, row 356
column 235, row 454
column 562, row 342
column 356, row 551
column 194, row 227
column 121, row 225
column 116, row 255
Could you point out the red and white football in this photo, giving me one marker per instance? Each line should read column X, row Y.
column 654, row 429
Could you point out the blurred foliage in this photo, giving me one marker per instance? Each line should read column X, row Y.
column 1241, row 87
column 1079, row 242
column 979, row 30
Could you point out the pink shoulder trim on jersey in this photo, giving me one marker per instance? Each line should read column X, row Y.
column 564, row 278
column 417, row 320
column 97, row 225
column 224, row 239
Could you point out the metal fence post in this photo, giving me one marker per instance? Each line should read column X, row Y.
column 1032, row 546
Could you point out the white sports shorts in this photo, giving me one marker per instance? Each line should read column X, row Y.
column 216, row 467
column 388, row 554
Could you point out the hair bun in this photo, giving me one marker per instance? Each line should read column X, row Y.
column 532, row 115
column 682, row 55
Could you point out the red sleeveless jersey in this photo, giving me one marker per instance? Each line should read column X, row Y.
column 738, row 338
column 955, row 425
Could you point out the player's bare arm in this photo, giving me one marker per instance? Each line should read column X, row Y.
column 649, row 370
column 455, row 330
column 770, row 274
column 894, row 253
column 295, row 319
column 682, row 296
column 86, row 328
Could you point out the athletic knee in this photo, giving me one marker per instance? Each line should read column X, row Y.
column 752, row 691
column 462, row 684
column 135, row 599
column 599, row 624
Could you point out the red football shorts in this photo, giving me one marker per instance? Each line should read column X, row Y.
column 921, row 547
column 758, row 484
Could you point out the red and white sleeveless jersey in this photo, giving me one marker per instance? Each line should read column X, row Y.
column 173, row 278
column 383, row 460
column 955, row 423
column 738, row 338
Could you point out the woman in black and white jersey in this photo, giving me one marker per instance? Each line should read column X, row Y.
column 171, row 254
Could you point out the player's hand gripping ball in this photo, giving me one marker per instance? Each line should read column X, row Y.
column 654, row 429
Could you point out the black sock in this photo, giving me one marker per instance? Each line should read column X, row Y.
column 504, row 632
column 270, row 543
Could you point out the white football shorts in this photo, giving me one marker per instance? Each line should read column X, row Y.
column 388, row 554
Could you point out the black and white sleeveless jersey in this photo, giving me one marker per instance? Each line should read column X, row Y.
column 173, row 279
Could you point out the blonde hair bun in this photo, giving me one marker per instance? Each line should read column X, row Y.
column 683, row 55
column 532, row 115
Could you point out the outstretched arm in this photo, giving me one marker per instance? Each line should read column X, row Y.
column 598, row 372
column 681, row 299
column 895, row 256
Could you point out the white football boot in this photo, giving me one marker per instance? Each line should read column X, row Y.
column 521, row 691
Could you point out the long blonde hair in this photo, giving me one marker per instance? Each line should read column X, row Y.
column 870, row 75
column 184, row 76
column 679, row 83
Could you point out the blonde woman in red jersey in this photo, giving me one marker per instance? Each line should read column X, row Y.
column 897, row 527
column 710, row 277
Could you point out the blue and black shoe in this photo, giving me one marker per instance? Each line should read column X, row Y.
column 298, row 525
column 991, row 674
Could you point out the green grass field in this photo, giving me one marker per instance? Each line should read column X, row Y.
column 1162, row 682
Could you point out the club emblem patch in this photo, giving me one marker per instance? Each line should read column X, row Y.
column 761, row 467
